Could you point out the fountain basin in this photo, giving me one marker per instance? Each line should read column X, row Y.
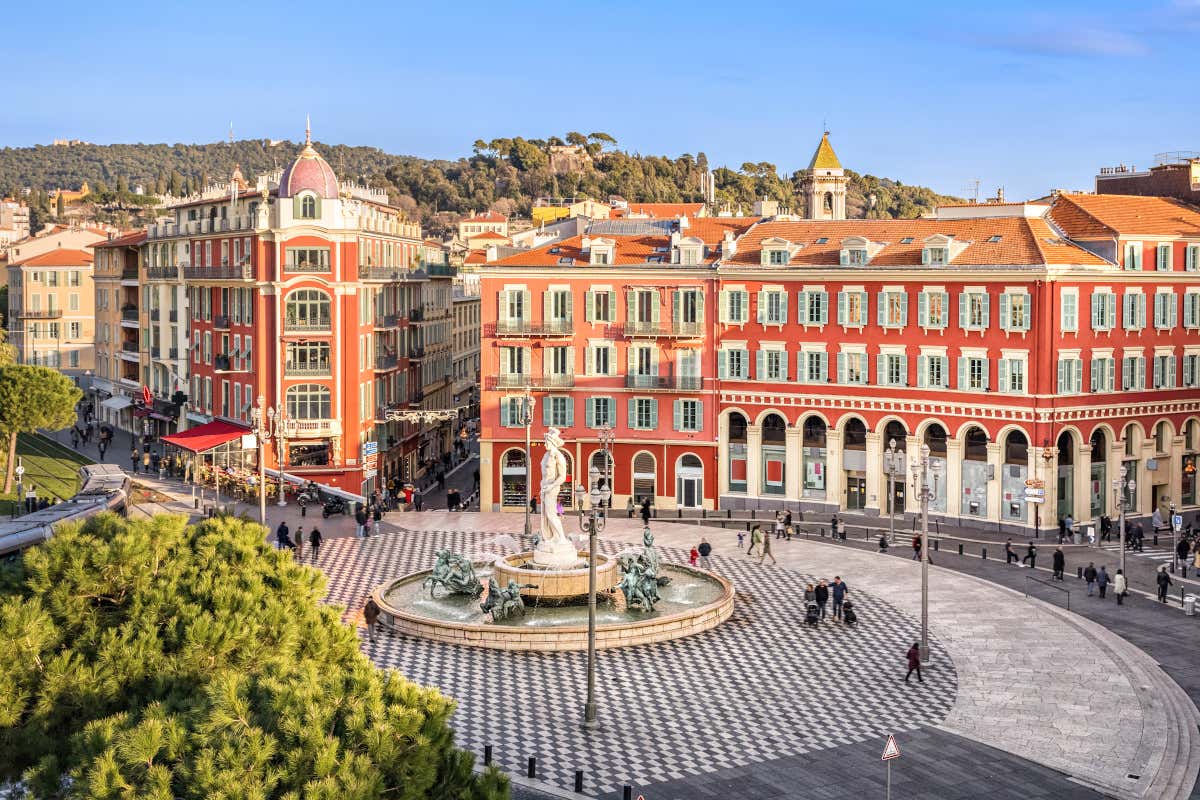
column 555, row 583
column 694, row 601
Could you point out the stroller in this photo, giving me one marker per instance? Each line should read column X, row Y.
column 812, row 613
column 848, row 615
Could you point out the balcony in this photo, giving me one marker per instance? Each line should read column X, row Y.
column 683, row 330
column 155, row 314
column 415, row 315
column 309, row 369
column 167, row 273
column 53, row 313
column 129, row 274
column 297, row 325
column 226, row 273
column 173, row 315
column 520, row 327
column 387, row 320
column 440, row 270
column 221, row 322
column 531, row 382
column 223, row 362
column 416, row 353
column 383, row 363
column 304, row 266
column 387, row 274
column 681, row 383
column 129, row 347
column 314, row 428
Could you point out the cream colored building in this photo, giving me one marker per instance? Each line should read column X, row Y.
column 117, row 380
column 51, row 310
column 465, row 337
column 60, row 237
column 14, row 222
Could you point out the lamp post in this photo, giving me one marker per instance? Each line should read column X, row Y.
column 19, row 472
column 527, row 404
column 1118, row 486
column 600, row 494
column 284, row 427
column 921, row 467
column 265, row 426
column 1174, row 543
column 890, row 464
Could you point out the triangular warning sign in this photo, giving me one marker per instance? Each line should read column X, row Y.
column 891, row 749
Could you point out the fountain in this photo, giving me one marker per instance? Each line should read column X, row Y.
column 536, row 599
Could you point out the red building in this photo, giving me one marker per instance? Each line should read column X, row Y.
column 1019, row 343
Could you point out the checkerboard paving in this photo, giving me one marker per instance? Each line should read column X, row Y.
column 761, row 686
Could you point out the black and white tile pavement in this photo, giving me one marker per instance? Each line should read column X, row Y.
column 762, row 686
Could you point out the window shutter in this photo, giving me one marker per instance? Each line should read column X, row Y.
column 546, row 403
column 589, row 306
column 923, row 309
column 505, row 408
column 1094, row 383
column 1097, row 323
column 699, row 414
column 526, row 299
column 862, row 367
column 653, row 414
column 633, row 412
column 987, row 311
column 866, row 311
column 783, row 307
column 547, row 306
column 655, row 307
column 676, row 298
column 745, row 312
column 1172, row 311
column 801, row 367
column 802, row 317
column 1003, row 375
column 678, row 407
column 1189, row 371
column 1190, row 257
column 1137, row 257
column 881, row 304
column 823, row 299
column 841, row 367
column 759, row 363
column 844, row 258
column 654, row 361
column 904, row 309
column 700, row 308
column 631, row 307
column 589, row 412
column 762, row 307
column 963, row 309
column 570, row 401
column 1005, row 314
column 631, row 360
column 1190, row 306
column 783, row 366
column 1170, row 372
column 1158, row 372
column 570, row 307
column 1110, row 307
column 841, row 317
column 924, row 255
column 1126, row 372
column 881, row 369
column 724, row 309
column 823, row 365
column 922, row 369
column 962, row 372
column 723, row 364
column 1141, row 307
column 904, row 370
column 503, row 311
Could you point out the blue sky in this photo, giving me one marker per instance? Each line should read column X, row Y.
column 1028, row 95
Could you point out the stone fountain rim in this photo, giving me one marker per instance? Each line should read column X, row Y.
column 602, row 560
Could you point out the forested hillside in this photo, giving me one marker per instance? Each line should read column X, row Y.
column 504, row 174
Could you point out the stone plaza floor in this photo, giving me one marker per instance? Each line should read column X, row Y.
column 1021, row 699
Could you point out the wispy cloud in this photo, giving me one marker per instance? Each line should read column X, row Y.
column 1065, row 40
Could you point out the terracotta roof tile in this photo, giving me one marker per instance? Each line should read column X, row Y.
column 131, row 239
column 62, row 257
column 662, row 210
column 490, row 216
column 1103, row 216
column 488, row 235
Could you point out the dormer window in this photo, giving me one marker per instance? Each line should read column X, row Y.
column 600, row 251
column 691, row 250
column 308, row 207
column 855, row 252
column 934, row 255
column 600, row 257
column 777, row 257
column 776, row 252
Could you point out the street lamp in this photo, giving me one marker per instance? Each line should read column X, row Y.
column 527, row 404
column 890, row 465
column 1118, row 485
column 1174, row 543
column 600, row 495
column 265, row 426
column 284, row 428
column 19, row 471
column 925, row 495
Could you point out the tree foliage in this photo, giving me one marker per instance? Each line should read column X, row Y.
column 33, row 397
column 154, row 659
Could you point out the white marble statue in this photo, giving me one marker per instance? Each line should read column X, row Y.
column 554, row 549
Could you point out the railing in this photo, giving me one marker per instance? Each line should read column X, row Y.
column 53, row 313
column 167, row 273
column 224, row 363
column 129, row 274
column 526, row 328
column 440, row 270
column 386, row 320
column 386, row 362
column 229, row 273
column 129, row 347
column 318, row 370
column 1029, row 578
column 684, row 329
column 154, row 315
column 531, row 382
column 129, row 314
column 316, row 427
column 156, row 353
column 221, row 322
column 686, row 383
column 414, row 315
column 416, row 352
column 293, row 267
column 308, row 325
column 391, row 274
column 173, row 315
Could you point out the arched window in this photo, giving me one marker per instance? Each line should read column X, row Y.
column 935, row 437
column 827, row 202
column 1162, row 437
column 855, row 436
column 307, row 309
column 645, row 474
column 512, row 478
column 895, row 430
column 737, row 452
column 309, row 401
column 308, row 207
column 1016, row 448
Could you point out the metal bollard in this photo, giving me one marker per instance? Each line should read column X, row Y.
column 960, row 549
column 627, row 793
column 937, row 545
column 752, row 514
column 1079, row 572
column 532, row 771
column 1156, row 540
column 679, row 513
column 487, row 755
column 983, row 554
column 579, row 781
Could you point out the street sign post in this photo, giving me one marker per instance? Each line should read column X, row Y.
column 891, row 751
column 1177, row 523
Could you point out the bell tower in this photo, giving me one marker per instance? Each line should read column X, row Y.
column 824, row 184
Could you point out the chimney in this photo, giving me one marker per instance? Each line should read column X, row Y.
column 1000, row 194
column 683, row 222
column 728, row 245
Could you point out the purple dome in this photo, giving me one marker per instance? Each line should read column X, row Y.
column 309, row 172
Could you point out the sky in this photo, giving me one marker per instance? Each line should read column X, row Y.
column 1030, row 96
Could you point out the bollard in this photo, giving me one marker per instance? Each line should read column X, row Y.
column 532, row 771
column 579, row 781
column 195, row 502
column 679, row 513
column 960, row 549
column 1156, row 540
column 704, row 513
column 729, row 513
column 627, row 793
column 1079, row 572
column 1183, row 567
column 752, row 512
column 937, row 545
column 983, row 554
column 487, row 755
column 822, row 534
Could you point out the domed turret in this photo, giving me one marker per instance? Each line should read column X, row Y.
column 308, row 172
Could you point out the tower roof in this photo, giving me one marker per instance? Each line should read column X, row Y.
column 825, row 158
column 308, row 171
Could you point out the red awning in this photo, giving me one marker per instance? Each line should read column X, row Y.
column 205, row 437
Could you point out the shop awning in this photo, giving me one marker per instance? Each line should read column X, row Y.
column 119, row 402
column 205, row 437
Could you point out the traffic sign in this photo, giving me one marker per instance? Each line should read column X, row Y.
column 1035, row 483
column 891, row 749
column 1031, row 492
column 1035, row 500
column 370, row 448
column 1177, row 522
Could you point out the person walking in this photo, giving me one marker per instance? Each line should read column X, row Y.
column 787, row 525
column 778, row 525
column 371, row 616
column 693, row 556
column 282, row 537
column 741, row 539
column 822, row 594
column 377, row 514
column 1059, row 562
column 74, row 438
column 1105, row 527
column 1090, row 575
column 360, row 521
column 146, row 462
column 705, row 551
column 1030, row 556
column 765, row 543
column 810, row 594
column 135, row 459
column 755, row 539
column 838, row 590
column 1120, row 587
column 645, row 510
column 1068, row 528
column 914, row 663
column 916, row 545
column 1010, row 555
column 1182, row 549
column 314, row 542
column 1102, row 581
column 1164, row 581
column 300, row 543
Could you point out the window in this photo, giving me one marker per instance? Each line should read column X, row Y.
column 307, row 309
column 309, row 401
column 854, row 257
column 643, row 413
column 1014, row 311
column 1191, row 370
column 1191, row 258
column 906, row 240
column 689, row 415
column 1070, row 375
column 812, row 367
column 600, row 412
column 514, row 305
column 1166, row 310
column 932, row 371
column 852, row 368
column 1133, row 311
column 772, row 307
column 558, row 411
column 777, row 257
column 893, row 369
column 974, row 313
column 1069, row 311
column 813, row 307
column 852, row 309
column 1162, row 261
column 687, row 307
column 1012, row 375
column 558, row 361
column 1103, row 374
column 308, row 259
column 511, row 412
column 1191, row 310
column 52, row 278
column 1104, row 311
column 558, row 306
column 601, row 359
column 308, row 207
column 73, row 278
column 771, row 366
column 935, row 255
column 1133, row 255
column 73, row 330
column 973, row 374
column 513, row 360
column 893, row 309
column 734, row 364
column 931, row 309
column 736, row 306
column 1133, row 372
column 1164, row 371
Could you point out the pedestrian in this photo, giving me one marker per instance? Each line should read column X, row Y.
column 645, row 510
column 366, row 525
column 360, row 521
column 1059, row 563
column 156, row 463
column 377, row 514
column 281, row 536
column 705, row 551
column 755, row 538
column 810, row 594
column 146, row 462
column 629, row 506
column 741, row 539
column 778, row 524
column 833, row 526
column 300, row 543
column 1068, row 526
column 916, row 545
column 532, row 504
column 694, row 555
column 822, row 597
column 1182, row 549
column 1089, row 575
column 1164, row 581
column 1121, row 587
column 1139, row 534
column 475, row 477
column 838, row 590
column 314, row 542
column 134, row 457
column 1010, row 555
column 1105, row 527
column 1102, row 581
column 914, row 663
column 787, row 525
column 1062, row 529
column 417, row 503
column 883, row 542
column 765, row 543
column 74, row 438
column 1030, row 556
column 371, row 616
column 1156, row 521
column 408, row 496
column 102, row 446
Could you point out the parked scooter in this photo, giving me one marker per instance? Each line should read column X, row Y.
column 334, row 505
column 309, row 494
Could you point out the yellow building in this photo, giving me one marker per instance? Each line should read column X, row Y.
column 51, row 308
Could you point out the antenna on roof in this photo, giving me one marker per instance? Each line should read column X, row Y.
column 307, row 130
column 230, row 133
column 973, row 190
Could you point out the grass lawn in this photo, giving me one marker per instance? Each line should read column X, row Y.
column 53, row 470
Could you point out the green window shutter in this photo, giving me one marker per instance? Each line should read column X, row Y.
column 987, row 311
column 1141, row 310
column 570, row 412
column 653, row 414
column 1171, row 372
column 1002, row 376
column 862, row 367
column 655, row 307
column 762, row 307
column 1189, row 371
column 841, row 367
column 633, row 412
column 1005, row 311
column 630, row 307
column 841, row 317
column 963, row 309
column 570, row 307
column 881, row 370
column 745, row 312
column 881, row 305
column 1172, row 311
column 678, row 408
column 589, row 306
column 611, row 313
column 631, row 360
column 1189, row 310
column 962, row 372
column 723, row 364
column 783, row 366
column 945, row 321
column 783, row 307
column 724, row 307
column 904, row 370
column 699, row 414
column 654, row 361
column 700, row 319
column 801, row 368
column 526, row 308
column 1094, row 377
column 1097, row 311
column 987, row 374
column 1158, row 373
column 547, row 306
column 801, row 308
column 1190, row 255
column 759, row 365
column 546, row 403
column 922, row 371
column 823, row 298
column 923, row 309
column 589, row 412
column 502, row 297
column 676, row 315
column 904, row 309
column 924, row 255
column 823, row 364
column 844, row 258
column 862, row 303
column 505, row 406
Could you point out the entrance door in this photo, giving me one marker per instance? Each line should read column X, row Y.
column 689, row 493
column 897, row 494
column 856, row 493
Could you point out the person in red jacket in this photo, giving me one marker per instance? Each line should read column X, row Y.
column 914, row 663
